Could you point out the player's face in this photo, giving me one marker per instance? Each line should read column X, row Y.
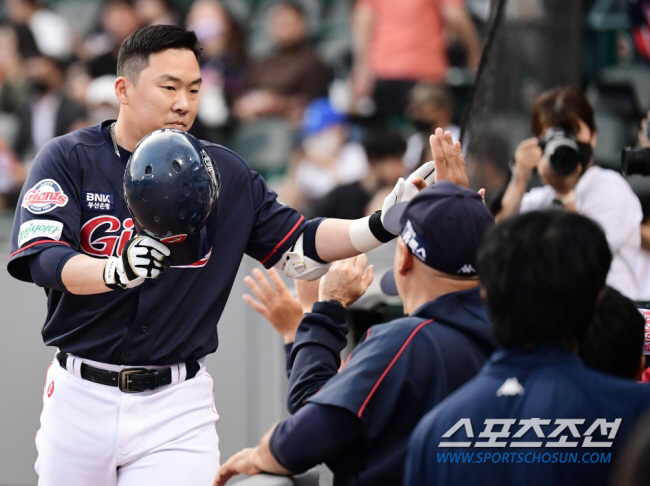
column 166, row 94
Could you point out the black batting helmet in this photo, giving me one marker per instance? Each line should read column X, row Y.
column 171, row 184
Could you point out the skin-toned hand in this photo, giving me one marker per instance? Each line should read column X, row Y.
column 240, row 463
column 346, row 280
column 275, row 303
column 307, row 291
column 527, row 156
column 448, row 157
column 251, row 461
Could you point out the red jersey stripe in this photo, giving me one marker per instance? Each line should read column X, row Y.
column 39, row 242
column 390, row 365
column 266, row 259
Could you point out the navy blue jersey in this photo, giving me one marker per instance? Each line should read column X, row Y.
column 73, row 198
column 534, row 417
column 395, row 375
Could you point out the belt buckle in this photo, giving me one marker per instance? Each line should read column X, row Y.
column 124, row 379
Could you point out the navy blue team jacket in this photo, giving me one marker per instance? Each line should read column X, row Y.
column 546, row 384
column 73, row 199
column 364, row 415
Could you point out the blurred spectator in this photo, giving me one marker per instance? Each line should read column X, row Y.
column 11, row 69
column 600, row 194
column 117, row 21
column 429, row 107
column 639, row 15
column 101, row 102
column 614, row 340
column 154, row 12
column 327, row 158
column 48, row 111
column 12, row 176
column 397, row 44
column 51, row 31
column 283, row 83
column 222, row 60
column 633, row 466
column 384, row 151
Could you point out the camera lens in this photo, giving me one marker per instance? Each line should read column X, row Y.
column 564, row 160
column 635, row 161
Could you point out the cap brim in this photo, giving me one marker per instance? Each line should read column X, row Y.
column 391, row 219
column 387, row 283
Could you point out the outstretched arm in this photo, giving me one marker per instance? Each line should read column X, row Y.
column 316, row 353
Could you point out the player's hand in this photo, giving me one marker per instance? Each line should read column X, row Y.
column 274, row 302
column 405, row 190
column 142, row 257
column 448, row 158
column 240, row 463
column 347, row 280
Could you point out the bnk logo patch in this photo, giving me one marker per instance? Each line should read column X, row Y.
column 98, row 202
column 45, row 196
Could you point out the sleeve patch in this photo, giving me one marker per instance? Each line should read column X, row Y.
column 45, row 196
column 39, row 228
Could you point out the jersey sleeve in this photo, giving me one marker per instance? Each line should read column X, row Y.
column 292, row 442
column 316, row 352
column 276, row 227
column 48, row 211
column 380, row 369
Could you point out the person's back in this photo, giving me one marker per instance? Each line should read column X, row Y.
column 538, row 417
column 535, row 414
column 398, row 373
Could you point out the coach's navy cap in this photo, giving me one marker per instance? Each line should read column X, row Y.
column 443, row 227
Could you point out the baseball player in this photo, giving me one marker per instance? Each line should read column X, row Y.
column 364, row 415
column 127, row 400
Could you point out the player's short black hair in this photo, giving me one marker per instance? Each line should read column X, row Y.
column 380, row 143
column 134, row 52
column 542, row 272
column 613, row 342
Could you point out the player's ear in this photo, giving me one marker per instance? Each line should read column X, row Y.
column 121, row 84
column 404, row 258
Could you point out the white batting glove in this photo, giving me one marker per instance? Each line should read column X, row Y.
column 405, row 190
column 142, row 257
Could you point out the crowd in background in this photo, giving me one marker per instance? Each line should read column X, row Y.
column 307, row 92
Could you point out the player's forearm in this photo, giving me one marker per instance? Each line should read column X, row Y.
column 263, row 458
column 333, row 240
column 84, row 275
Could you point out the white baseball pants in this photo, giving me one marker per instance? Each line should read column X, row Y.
column 97, row 435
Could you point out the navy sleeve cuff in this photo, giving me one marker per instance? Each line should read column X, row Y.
column 47, row 265
column 287, row 358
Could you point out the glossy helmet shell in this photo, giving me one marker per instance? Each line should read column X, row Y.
column 171, row 185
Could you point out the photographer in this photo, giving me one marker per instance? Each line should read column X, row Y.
column 563, row 122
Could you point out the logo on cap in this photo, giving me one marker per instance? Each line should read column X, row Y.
column 411, row 240
column 467, row 268
column 44, row 197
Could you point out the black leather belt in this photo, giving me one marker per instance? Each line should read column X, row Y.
column 130, row 380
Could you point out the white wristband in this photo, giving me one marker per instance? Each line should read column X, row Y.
column 361, row 237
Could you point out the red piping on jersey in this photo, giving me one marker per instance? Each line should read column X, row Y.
column 40, row 242
column 399, row 353
column 283, row 240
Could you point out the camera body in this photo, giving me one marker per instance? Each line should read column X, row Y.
column 563, row 151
